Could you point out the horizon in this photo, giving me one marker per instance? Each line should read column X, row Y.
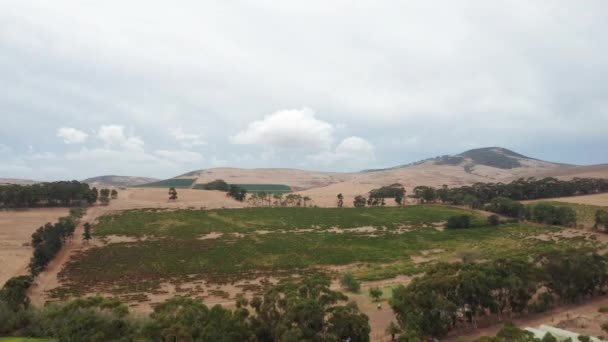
column 338, row 88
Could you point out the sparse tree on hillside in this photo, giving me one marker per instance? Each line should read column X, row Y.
column 306, row 199
column 172, row 194
column 278, row 199
column 359, row 201
column 114, row 194
column 86, row 236
column 340, row 200
column 104, row 196
column 349, row 282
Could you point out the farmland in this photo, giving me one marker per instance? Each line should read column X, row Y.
column 193, row 249
column 167, row 183
column 254, row 188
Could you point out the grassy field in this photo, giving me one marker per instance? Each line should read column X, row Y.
column 268, row 188
column 585, row 213
column 25, row 339
column 258, row 242
column 167, row 183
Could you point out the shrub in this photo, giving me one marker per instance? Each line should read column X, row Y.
column 506, row 206
column 349, row 283
column 458, row 222
column 493, row 220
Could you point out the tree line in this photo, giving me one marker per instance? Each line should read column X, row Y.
column 458, row 295
column 307, row 310
column 53, row 194
column 478, row 194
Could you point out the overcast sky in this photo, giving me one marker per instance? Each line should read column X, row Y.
column 158, row 88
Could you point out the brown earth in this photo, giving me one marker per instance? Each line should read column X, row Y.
column 16, row 228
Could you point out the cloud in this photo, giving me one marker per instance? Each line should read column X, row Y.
column 187, row 140
column 72, row 135
column 179, row 156
column 350, row 149
column 287, row 128
column 114, row 136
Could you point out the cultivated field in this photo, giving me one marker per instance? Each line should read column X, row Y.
column 16, row 228
column 146, row 256
column 596, row 200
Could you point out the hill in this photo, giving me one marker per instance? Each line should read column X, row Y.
column 113, row 180
column 19, row 181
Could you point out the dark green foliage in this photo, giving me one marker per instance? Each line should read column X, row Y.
column 391, row 191
column 425, row 193
column 348, row 282
column 114, row 194
column 495, row 157
column 506, row 206
column 375, row 293
column 218, row 184
column 172, row 194
column 170, row 183
column 521, row 189
column 359, row 201
column 510, row 333
column 459, row 221
column 493, row 220
column 601, row 220
column 340, row 200
column 86, row 236
column 72, row 193
column 267, row 188
column 89, row 320
column 14, row 292
column 548, row 213
column 237, row 193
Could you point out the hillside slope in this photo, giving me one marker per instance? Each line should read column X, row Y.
column 118, row 181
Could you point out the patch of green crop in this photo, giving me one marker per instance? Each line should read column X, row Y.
column 192, row 223
column 168, row 183
column 175, row 254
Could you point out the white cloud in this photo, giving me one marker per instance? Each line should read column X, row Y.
column 187, row 140
column 72, row 135
column 350, row 149
column 114, row 136
column 288, row 128
column 180, row 156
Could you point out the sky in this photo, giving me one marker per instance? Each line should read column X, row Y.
column 160, row 88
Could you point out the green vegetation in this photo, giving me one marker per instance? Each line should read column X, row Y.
column 285, row 241
column 291, row 311
column 25, row 339
column 585, row 213
column 50, row 194
column 349, row 283
column 218, row 184
column 458, row 222
column 428, row 305
column 168, row 183
column 548, row 213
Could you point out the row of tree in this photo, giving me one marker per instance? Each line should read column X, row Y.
column 545, row 213
column 305, row 311
column 279, row 199
column 478, row 194
column 48, row 239
column 63, row 193
column 451, row 295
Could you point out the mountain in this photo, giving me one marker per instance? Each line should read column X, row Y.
column 118, row 181
column 17, row 181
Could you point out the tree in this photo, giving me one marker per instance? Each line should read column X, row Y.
column 86, row 236
column 172, row 194
column 601, row 219
column 104, row 196
column 306, row 199
column 14, row 292
column 375, row 293
column 392, row 329
column 359, row 201
column 237, row 193
column 114, row 194
column 459, row 221
column 349, row 282
column 340, row 200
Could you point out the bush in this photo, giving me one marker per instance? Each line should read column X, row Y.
column 458, row 222
column 506, row 206
column 493, row 220
column 349, row 283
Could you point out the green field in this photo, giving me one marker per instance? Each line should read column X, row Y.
column 267, row 188
column 294, row 241
column 167, row 183
column 585, row 213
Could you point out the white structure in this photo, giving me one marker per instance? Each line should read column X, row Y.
column 559, row 334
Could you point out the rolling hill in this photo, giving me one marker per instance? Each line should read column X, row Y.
column 117, row 181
